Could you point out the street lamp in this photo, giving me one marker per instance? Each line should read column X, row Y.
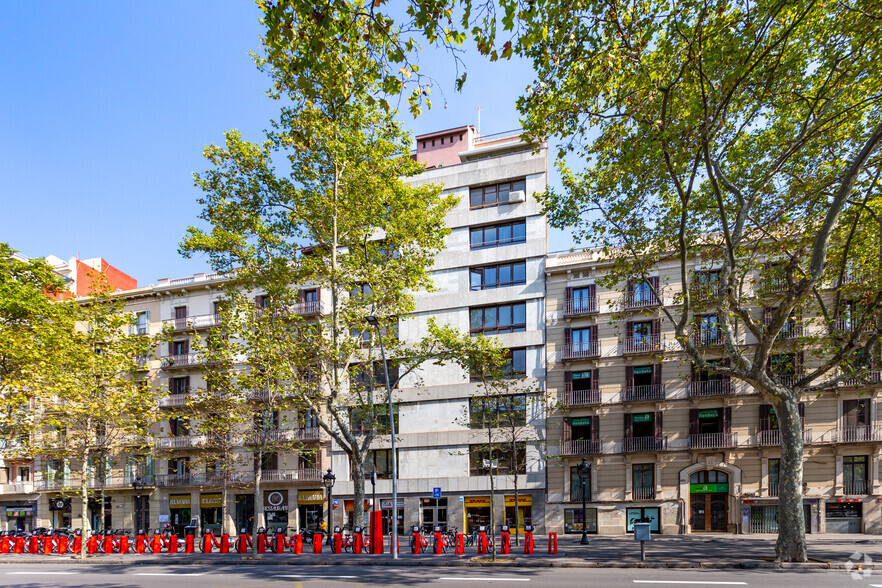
column 137, row 484
column 584, row 471
column 374, row 322
column 328, row 480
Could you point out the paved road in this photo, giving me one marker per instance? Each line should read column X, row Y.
column 106, row 576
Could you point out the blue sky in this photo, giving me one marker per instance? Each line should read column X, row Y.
column 106, row 108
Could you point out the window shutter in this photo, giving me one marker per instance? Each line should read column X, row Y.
column 727, row 419
column 567, row 430
column 568, row 297
column 318, row 294
column 186, row 346
column 797, row 364
column 658, row 424
column 629, row 330
column 595, row 383
column 302, row 297
column 656, row 328
column 629, row 288
column 171, row 347
column 849, row 410
column 863, row 412
column 653, row 281
column 592, row 334
column 629, row 376
column 765, row 412
column 656, row 374
column 568, row 381
column 187, row 385
column 568, row 337
column 595, row 427
column 173, row 427
column 274, row 461
column 629, row 431
column 693, row 421
column 592, row 291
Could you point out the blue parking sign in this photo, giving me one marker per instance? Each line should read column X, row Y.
column 436, row 492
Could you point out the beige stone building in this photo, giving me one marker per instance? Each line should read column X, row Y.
column 689, row 451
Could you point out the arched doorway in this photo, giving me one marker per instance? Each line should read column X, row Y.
column 709, row 500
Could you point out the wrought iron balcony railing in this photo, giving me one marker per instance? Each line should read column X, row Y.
column 581, row 350
column 580, row 447
column 580, row 397
column 713, row 440
column 635, row 444
column 648, row 392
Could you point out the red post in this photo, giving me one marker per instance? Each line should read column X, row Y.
column 108, row 544
column 155, row 543
column 189, row 543
column 206, row 543
column 224, row 546
column 358, row 544
column 317, row 543
column 396, row 547
column 92, row 545
column 439, row 543
column 19, row 546
column 34, row 545
column 482, row 543
column 48, row 544
column 77, row 544
column 242, row 544
column 297, row 544
column 337, row 545
column 377, row 532
column 172, row 545
column 140, row 544
column 506, row 543
column 261, row 543
column 552, row 543
column 63, row 544
column 5, row 545
column 280, row 543
column 460, row 544
column 122, row 544
column 528, row 543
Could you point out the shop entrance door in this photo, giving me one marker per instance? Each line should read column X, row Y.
column 142, row 513
column 434, row 514
column 709, row 512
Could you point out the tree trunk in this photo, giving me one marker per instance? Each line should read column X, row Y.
column 358, row 487
column 791, row 522
column 258, row 505
column 103, row 513
column 84, row 519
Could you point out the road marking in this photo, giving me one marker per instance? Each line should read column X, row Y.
column 690, row 582
column 487, row 579
column 164, row 574
column 41, row 573
column 305, row 576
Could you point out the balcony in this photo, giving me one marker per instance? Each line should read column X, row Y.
column 121, row 481
column 772, row 438
column 773, row 489
column 790, row 330
column 637, row 444
column 176, row 480
column 849, row 325
column 703, row 292
column 292, row 475
column 308, row 433
column 713, row 440
column 183, row 361
column 872, row 377
column 712, row 338
column 643, row 493
column 859, row 434
column 581, row 350
column 642, row 299
column 855, row 488
column 580, row 447
column 717, row 387
column 580, row 397
column 580, row 306
column 638, row 393
column 309, row 307
column 174, row 400
column 181, row 442
column 57, row 483
column 645, row 344
column 17, row 488
column 202, row 321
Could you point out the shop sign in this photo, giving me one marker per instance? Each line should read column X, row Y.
column 581, row 422
column 645, row 417
column 643, row 370
column 311, row 497
column 179, row 501
column 211, row 500
column 275, row 501
column 708, row 488
column 475, row 501
column 522, row 500
column 387, row 504
column 710, row 413
column 350, row 504
column 13, row 511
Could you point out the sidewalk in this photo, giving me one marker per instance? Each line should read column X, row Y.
column 676, row 551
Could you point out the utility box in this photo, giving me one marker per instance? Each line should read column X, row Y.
column 642, row 532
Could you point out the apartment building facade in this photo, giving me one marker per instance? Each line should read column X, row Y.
column 687, row 451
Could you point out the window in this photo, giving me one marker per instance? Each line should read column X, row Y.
column 179, row 347
column 493, row 195
column 24, row 474
column 179, row 466
column 307, row 460
column 642, row 481
column 498, row 235
column 854, row 474
column 574, row 522
column 178, row 427
column 582, row 381
column 179, row 385
column 774, row 472
column 362, row 293
column 141, row 326
column 360, row 419
column 582, row 339
column 576, row 485
column 505, row 411
column 4, row 475
column 642, row 292
column 708, row 330
column 706, row 285
column 363, row 377
column 496, row 320
column 516, row 366
column 382, row 458
column 643, row 515
column 498, row 458
column 498, row 276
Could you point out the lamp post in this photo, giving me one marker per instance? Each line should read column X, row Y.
column 137, row 484
column 374, row 489
column 374, row 322
column 328, row 480
column 584, row 470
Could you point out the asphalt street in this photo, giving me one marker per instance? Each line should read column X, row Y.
column 108, row 576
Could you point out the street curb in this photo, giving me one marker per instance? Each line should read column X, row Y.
column 431, row 562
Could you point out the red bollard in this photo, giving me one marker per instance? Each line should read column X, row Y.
column 376, row 533
column 156, row 543
column 280, row 543
column 506, row 543
column 439, row 543
column 48, row 545
column 459, row 549
column 528, row 543
column 172, row 545
column 107, row 543
column 317, row 543
column 482, row 543
column 34, row 545
column 19, row 546
column 92, row 545
column 77, row 544
column 337, row 544
column 297, row 544
column 206, row 543
column 122, row 545
column 62, row 545
column 397, row 546
column 189, row 543
column 5, row 545
column 416, row 543
column 358, row 544
column 242, row 543
column 261, row 543
column 224, row 546
column 552, row 543
column 140, row 544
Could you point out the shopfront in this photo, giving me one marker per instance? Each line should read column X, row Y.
column 643, row 514
column 244, row 512
column 846, row 516
column 434, row 513
column 573, row 520
column 386, row 510
column 524, row 511
column 95, row 513
column 309, row 507
column 477, row 512
column 20, row 515
column 179, row 509
column 275, row 509
column 709, row 500
column 210, row 509
column 59, row 512
column 349, row 506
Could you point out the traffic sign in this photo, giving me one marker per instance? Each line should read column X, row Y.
column 436, row 492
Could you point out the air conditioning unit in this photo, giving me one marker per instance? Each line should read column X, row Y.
column 517, row 196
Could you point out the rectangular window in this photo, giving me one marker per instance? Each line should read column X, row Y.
column 854, row 474
column 179, row 385
column 573, row 520
column 516, row 367
column 498, row 235
column 360, row 419
column 498, row 276
column 576, row 485
column 643, row 515
column 505, row 411
column 496, row 320
column 774, row 472
column 495, row 194
column 382, row 458
column 141, row 326
column 642, row 481
column 498, row 458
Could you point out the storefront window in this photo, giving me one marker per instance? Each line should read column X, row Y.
column 275, row 508
column 650, row 515
column 210, row 512
column 573, row 520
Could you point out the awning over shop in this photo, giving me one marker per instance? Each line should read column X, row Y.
column 522, row 500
